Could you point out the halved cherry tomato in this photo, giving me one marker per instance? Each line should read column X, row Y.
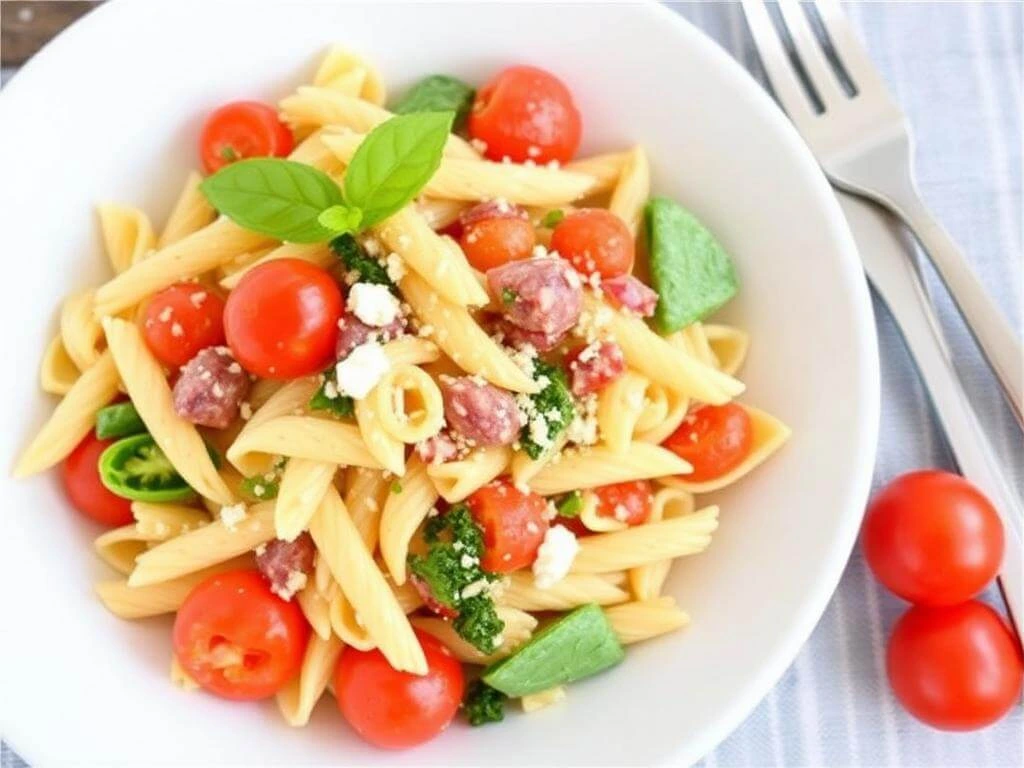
column 956, row 667
column 513, row 524
column 932, row 538
column 397, row 710
column 281, row 320
column 85, row 489
column 238, row 639
column 594, row 240
column 526, row 113
column 243, row 129
column 714, row 439
column 181, row 320
column 495, row 233
column 628, row 502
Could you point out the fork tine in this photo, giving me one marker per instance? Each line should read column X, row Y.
column 775, row 60
column 849, row 49
column 811, row 55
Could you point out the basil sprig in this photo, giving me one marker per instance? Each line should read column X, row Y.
column 300, row 204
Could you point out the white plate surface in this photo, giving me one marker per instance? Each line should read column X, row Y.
column 110, row 111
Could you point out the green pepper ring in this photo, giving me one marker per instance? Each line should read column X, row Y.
column 135, row 468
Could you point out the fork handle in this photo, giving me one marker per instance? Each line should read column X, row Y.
column 990, row 329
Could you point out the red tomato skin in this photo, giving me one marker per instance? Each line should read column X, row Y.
column 724, row 438
column 956, row 668
column 635, row 497
column 398, row 710
column 594, row 240
column 526, row 113
column 88, row 494
column 238, row 607
column 513, row 523
column 281, row 321
column 242, row 129
column 493, row 234
column 932, row 538
column 181, row 320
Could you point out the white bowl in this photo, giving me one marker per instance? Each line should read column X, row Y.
column 110, row 111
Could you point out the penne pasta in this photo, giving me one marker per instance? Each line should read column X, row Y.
column 455, row 480
column 191, row 212
column 406, row 507
column 574, row 590
column 303, row 486
column 644, row 619
column 599, row 465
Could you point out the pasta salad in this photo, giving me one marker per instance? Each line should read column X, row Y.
column 402, row 394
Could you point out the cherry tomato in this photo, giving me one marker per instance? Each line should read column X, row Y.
column 594, row 240
column 282, row 319
column 954, row 667
column 396, row 710
column 932, row 538
column 513, row 523
column 525, row 113
column 238, row 639
column 182, row 320
column 85, row 489
column 496, row 233
column 243, row 129
column 628, row 502
column 714, row 439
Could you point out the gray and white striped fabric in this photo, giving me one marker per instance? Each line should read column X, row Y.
column 956, row 69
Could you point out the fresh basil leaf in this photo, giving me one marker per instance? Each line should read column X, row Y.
column 340, row 219
column 394, row 162
column 438, row 93
column 279, row 198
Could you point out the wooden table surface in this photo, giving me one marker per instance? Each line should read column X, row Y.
column 25, row 27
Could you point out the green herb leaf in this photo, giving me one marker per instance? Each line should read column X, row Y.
column 552, row 218
column 570, row 505
column 554, row 404
column 340, row 405
column 279, row 198
column 394, row 162
column 396, row 487
column 355, row 259
column 340, row 218
column 483, row 704
column 438, row 93
column 266, row 485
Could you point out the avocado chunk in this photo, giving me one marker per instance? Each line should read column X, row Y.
column 691, row 272
column 580, row 644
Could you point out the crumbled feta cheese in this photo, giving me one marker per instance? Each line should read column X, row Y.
column 395, row 267
column 197, row 298
column 296, row 580
column 474, row 588
column 165, row 314
column 554, row 557
column 358, row 373
column 232, row 515
column 373, row 304
column 176, row 330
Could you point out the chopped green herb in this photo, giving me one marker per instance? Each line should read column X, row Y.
column 483, row 704
column 570, row 505
column 356, row 259
column 553, row 405
column 341, row 406
column 552, row 218
column 451, row 571
column 508, row 296
column 266, row 485
column 396, row 487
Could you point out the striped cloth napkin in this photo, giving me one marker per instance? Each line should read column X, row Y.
column 956, row 70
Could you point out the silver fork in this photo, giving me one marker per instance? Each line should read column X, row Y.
column 862, row 140
column 900, row 286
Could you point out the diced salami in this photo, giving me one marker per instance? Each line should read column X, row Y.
column 627, row 292
column 594, row 366
column 538, row 295
column 492, row 209
column 286, row 564
column 480, row 412
column 353, row 332
column 516, row 337
column 437, row 449
column 210, row 388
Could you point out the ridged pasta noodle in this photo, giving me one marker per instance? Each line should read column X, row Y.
column 154, row 523
column 644, row 619
column 316, row 608
column 340, row 62
column 599, row 465
column 303, row 485
column 191, row 212
column 315, row 253
column 407, row 404
column 167, row 520
column 387, row 451
column 127, row 234
column 768, row 435
column 442, row 267
column 574, row 590
column 455, row 331
column 632, row 189
column 303, row 437
column 148, row 388
column 592, row 521
column 537, row 701
column 403, row 513
column 524, row 469
column 57, row 371
column 72, row 419
column 619, row 407
column 338, row 540
column 455, row 480
column 604, row 169
column 80, row 332
column 366, row 491
column 519, row 627
column 729, row 344
column 297, row 698
column 642, row 544
column 664, row 410
column 646, row 581
column 345, row 623
column 440, row 213
column 203, row 547
column 694, row 342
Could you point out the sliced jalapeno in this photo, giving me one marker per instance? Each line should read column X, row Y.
column 118, row 420
column 137, row 469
